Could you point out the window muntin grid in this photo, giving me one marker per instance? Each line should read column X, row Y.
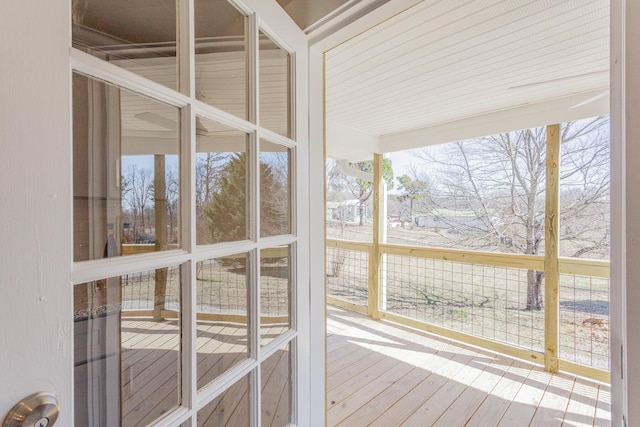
column 190, row 254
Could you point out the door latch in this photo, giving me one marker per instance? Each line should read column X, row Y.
column 37, row 410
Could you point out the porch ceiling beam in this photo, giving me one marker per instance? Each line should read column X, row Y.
column 360, row 17
column 578, row 106
column 346, row 143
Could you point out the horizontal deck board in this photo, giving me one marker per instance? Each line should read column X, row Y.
column 378, row 374
column 375, row 378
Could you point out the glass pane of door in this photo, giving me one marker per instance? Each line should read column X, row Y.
column 275, row 189
column 222, row 183
column 140, row 36
column 274, row 80
column 230, row 409
column 222, row 77
column 222, row 317
column 276, row 388
column 275, row 292
column 125, row 170
column 127, row 351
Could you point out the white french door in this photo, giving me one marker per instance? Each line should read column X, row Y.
column 156, row 268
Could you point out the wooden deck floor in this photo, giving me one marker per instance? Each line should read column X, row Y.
column 382, row 374
column 150, row 365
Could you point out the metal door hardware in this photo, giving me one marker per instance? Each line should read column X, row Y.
column 38, row 410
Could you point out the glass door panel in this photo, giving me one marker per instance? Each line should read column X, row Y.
column 222, row 183
column 126, row 172
column 230, row 409
column 222, row 291
column 275, row 292
column 127, row 348
column 276, row 389
column 189, row 180
column 140, row 36
column 275, row 189
column 222, row 77
column 274, row 82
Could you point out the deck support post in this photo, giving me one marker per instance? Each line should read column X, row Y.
column 551, row 250
column 160, row 199
column 379, row 234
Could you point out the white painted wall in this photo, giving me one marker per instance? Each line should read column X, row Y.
column 35, row 203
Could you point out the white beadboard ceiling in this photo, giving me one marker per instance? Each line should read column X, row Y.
column 444, row 70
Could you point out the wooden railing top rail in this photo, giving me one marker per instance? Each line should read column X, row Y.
column 584, row 267
column 529, row 262
column 349, row 245
column 144, row 248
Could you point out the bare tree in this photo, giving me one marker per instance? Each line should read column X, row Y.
column 413, row 190
column 360, row 189
column 500, row 180
column 137, row 193
column 172, row 193
column 208, row 170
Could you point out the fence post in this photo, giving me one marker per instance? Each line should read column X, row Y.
column 551, row 250
column 378, row 236
column 160, row 199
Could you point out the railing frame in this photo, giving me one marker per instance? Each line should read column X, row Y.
column 551, row 263
column 578, row 266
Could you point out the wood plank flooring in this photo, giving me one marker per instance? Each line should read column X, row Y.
column 150, row 366
column 381, row 374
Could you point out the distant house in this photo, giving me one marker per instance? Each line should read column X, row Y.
column 348, row 211
column 453, row 219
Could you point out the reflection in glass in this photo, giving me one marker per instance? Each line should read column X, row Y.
column 276, row 389
column 137, row 35
column 275, row 189
column 274, row 84
column 125, row 172
column 231, row 408
column 222, row 195
column 275, row 292
column 221, row 56
column 127, row 348
column 222, row 305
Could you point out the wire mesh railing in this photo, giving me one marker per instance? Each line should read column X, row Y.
column 484, row 295
column 222, row 285
column 275, row 282
column 482, row 300
column 584, row 320
column 141, row 291
column 348, row 275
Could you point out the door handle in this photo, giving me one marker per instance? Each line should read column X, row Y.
column 37, row 410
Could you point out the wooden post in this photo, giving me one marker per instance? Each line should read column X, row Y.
column 160, row 206
column 378, row 230
column 551, row 239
